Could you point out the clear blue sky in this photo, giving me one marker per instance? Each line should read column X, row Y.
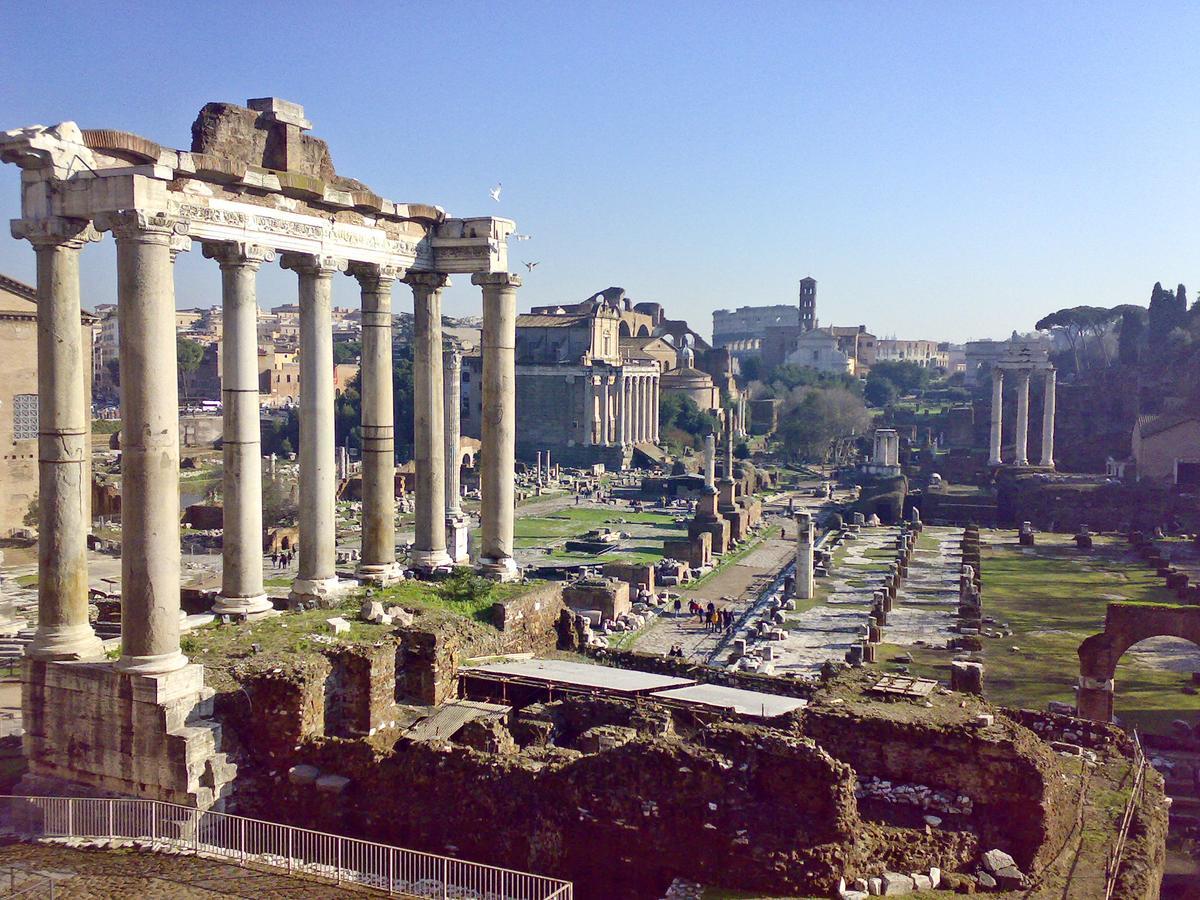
column 944, row 170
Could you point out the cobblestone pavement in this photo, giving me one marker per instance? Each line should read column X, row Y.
column 120, row 874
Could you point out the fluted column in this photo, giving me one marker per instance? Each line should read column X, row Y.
column 995, row 456
column 317, row 578
column 242, row 591
column 1022, row 433
column 1048, row 403
column 377, row 562
column 605, row 413
column 64, row 423
column 589, row 409
column 150, row 552
column 623, row 435
column 654, row 402
column 429, row 435
column 646, row 408
column 635, row 389
column 498, row 445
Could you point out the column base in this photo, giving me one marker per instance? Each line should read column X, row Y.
column 457, row 529
column 96, row 730
column 155, row 664
column 1047, row 464
column 995, row 461
column 1021, row 463
column 429, row 560
column 242, row 606
column 499, row 569
column 318, row 591
column 65, row 642
column 380, row 574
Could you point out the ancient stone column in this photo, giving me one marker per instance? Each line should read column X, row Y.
column 377, row 561
column 1022, row 433
column 317, row 578
column 804, row 556
column 64, row 422
column 457, row 524
column 150, row 551
column 547, row 466
column 654, row 404
column 710, row 460
column 242, row 590
column 589, row 409
column 623, row 409
column 1048, row 401
column 429, row 434
column 635, row 390
column 995, row 457
column 605, row 413
column 498, row 445
column 647, row 409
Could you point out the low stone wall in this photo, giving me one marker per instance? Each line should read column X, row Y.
column 622, row 821
column 1018, row 800
column 532, row 616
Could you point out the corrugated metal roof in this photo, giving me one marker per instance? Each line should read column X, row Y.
column 754, row 703
column 449, row 717
column 558, row 671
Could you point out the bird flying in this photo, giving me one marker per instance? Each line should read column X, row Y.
column 495, row 192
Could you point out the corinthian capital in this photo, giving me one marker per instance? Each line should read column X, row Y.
column 55, row 232
column 238, row 254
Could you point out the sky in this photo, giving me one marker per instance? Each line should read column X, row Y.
column 944, row 170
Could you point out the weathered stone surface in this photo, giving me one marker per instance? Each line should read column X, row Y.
column 995, row 860
column 893, row 884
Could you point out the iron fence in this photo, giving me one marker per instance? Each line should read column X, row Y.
column 300, row 851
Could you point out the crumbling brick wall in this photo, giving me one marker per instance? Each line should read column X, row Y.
column 530, row 618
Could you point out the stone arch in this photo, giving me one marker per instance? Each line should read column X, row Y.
column 643, row 331
column 624, row 330
column 1125, row 624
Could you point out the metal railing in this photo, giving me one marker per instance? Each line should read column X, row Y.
column 342, row 860
column 1112, row 867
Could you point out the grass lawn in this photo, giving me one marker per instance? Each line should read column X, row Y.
column 1052, row 598
column 554, row 529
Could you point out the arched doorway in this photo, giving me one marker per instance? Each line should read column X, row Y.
column 1125, row 625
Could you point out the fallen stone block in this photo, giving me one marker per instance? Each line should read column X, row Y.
column 338, row 625
column 332, row 784
column 303, row 774
column 995, row 860
column 895, row 885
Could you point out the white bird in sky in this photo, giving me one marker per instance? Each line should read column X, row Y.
column 530, row 265
column 495, row 192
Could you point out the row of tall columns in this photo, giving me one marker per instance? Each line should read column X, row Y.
column 1021, row 432
column 636, row 420
column 151, row 559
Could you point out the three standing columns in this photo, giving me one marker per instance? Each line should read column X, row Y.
column 429, row 547
column 317, row 578
column 242, row 590
column 498, row 445
column 1021, row 431
column 150, row 553
column 378, row 558
column 64, row 486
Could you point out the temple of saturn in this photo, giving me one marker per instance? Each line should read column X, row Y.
column 1023, row 369
column 254, row 188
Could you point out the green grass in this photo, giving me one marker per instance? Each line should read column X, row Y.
column 29, row 580
column 466, row 594
column 555, row 529
column 1053, row 599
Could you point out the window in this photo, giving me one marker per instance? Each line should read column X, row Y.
column 25, row 417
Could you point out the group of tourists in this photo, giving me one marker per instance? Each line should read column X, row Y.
column 282, row 559
column 714, row 620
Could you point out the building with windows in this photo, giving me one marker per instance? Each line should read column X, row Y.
column 19, row 402
column 926, row 354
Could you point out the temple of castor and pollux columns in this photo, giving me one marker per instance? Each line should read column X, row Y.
column 254, row 188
